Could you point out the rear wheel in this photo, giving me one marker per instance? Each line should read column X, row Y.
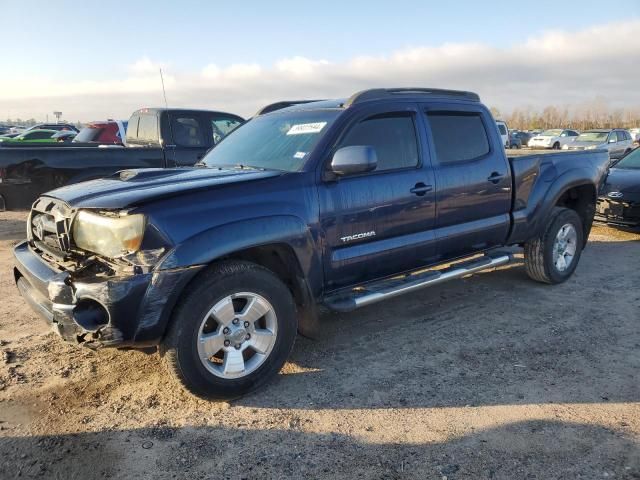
column 553, row 256
column 232, row 332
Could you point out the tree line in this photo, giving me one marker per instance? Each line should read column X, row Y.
column 596, row 114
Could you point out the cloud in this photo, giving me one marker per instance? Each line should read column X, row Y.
column 555, row 67
column 300, row 65
column 234, row 72
column 145, row 66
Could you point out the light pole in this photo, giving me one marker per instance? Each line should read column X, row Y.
column 58, row 115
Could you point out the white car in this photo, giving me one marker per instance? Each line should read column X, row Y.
column 635, row 134
column 555, row 138
column 504, row 133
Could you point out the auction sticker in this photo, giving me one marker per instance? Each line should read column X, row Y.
column 304, row 128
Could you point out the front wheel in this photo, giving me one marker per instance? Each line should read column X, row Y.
column 553, row 256
column 232, row 331
column 556, row 146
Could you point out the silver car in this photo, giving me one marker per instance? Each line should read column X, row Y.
column 617, row 141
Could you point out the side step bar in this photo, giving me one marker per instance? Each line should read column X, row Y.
column 366, row 294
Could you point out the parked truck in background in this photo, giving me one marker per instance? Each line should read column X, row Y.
column 156, row 137
column 339, row 203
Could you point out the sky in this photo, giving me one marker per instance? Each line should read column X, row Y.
column 96, row 60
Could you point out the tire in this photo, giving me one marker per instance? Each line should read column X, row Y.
column 213, row 370
column 539, row 252
column 556, row 146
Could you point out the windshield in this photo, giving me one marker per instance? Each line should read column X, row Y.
column 592, row 137
column 556, row 132
column 630, row 161
column 279, row 141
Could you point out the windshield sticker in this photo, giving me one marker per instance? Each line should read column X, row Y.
column 304, row 128
column 299, row 154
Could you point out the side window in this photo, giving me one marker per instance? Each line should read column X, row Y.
column 612, row 137
column 148, row 128
column 458, row 136
column 621, row 136
column 187, row 132
column 564, row 134
column 502, row 129
column 39, row 135
column 392, row 135
column 573, row 133
column 221, row 127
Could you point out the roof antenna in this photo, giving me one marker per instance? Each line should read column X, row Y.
column 166, row 106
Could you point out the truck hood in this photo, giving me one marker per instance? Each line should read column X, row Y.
column 129, row 188
column 623, row 180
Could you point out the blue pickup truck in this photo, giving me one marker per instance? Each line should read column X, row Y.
column 341, row 203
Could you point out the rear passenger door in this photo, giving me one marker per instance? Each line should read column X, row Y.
column 473, row 179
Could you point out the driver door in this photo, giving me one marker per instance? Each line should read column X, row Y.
column 381, row 222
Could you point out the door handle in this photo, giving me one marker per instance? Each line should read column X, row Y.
column 495, row 177
column 420, row 189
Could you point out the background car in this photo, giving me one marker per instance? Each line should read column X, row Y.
column 64, row 136
column 109, row 131
column 619, row 201
column 523, row 137
column 31, row 136
column 554, row 138
column 617, row 142
column 635, row 135
column 514, row 140
column 53, row 126
column 504, row 132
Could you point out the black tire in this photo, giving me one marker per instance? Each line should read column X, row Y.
column 179, row 349
column 538, row 252
column 556, row 146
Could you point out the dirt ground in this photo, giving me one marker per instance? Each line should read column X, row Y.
column 493, row 376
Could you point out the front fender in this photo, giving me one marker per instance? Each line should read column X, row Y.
column 223, row 240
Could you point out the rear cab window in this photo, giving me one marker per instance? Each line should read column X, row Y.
column 143, row 129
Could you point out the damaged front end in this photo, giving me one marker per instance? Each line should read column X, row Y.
column 89, row 298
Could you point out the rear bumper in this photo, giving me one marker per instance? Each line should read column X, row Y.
column 99, row 311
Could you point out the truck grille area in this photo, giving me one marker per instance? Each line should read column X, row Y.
column 49, row 225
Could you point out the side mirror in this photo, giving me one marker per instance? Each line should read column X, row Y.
column 354, row 159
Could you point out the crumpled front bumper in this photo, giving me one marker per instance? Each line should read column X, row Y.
column 97, row 310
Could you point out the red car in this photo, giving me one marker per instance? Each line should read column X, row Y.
column 106, row 132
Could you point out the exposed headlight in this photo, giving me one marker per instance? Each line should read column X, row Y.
column 110, row 236
column 591, row 147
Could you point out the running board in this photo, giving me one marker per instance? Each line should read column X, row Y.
column 366, row 294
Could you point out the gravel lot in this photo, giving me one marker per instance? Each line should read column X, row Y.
column 490, row 377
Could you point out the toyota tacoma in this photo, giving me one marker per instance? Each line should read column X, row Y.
column 340, row 203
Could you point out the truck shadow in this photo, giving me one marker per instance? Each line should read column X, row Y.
column 495, row 338
column 541, row 449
